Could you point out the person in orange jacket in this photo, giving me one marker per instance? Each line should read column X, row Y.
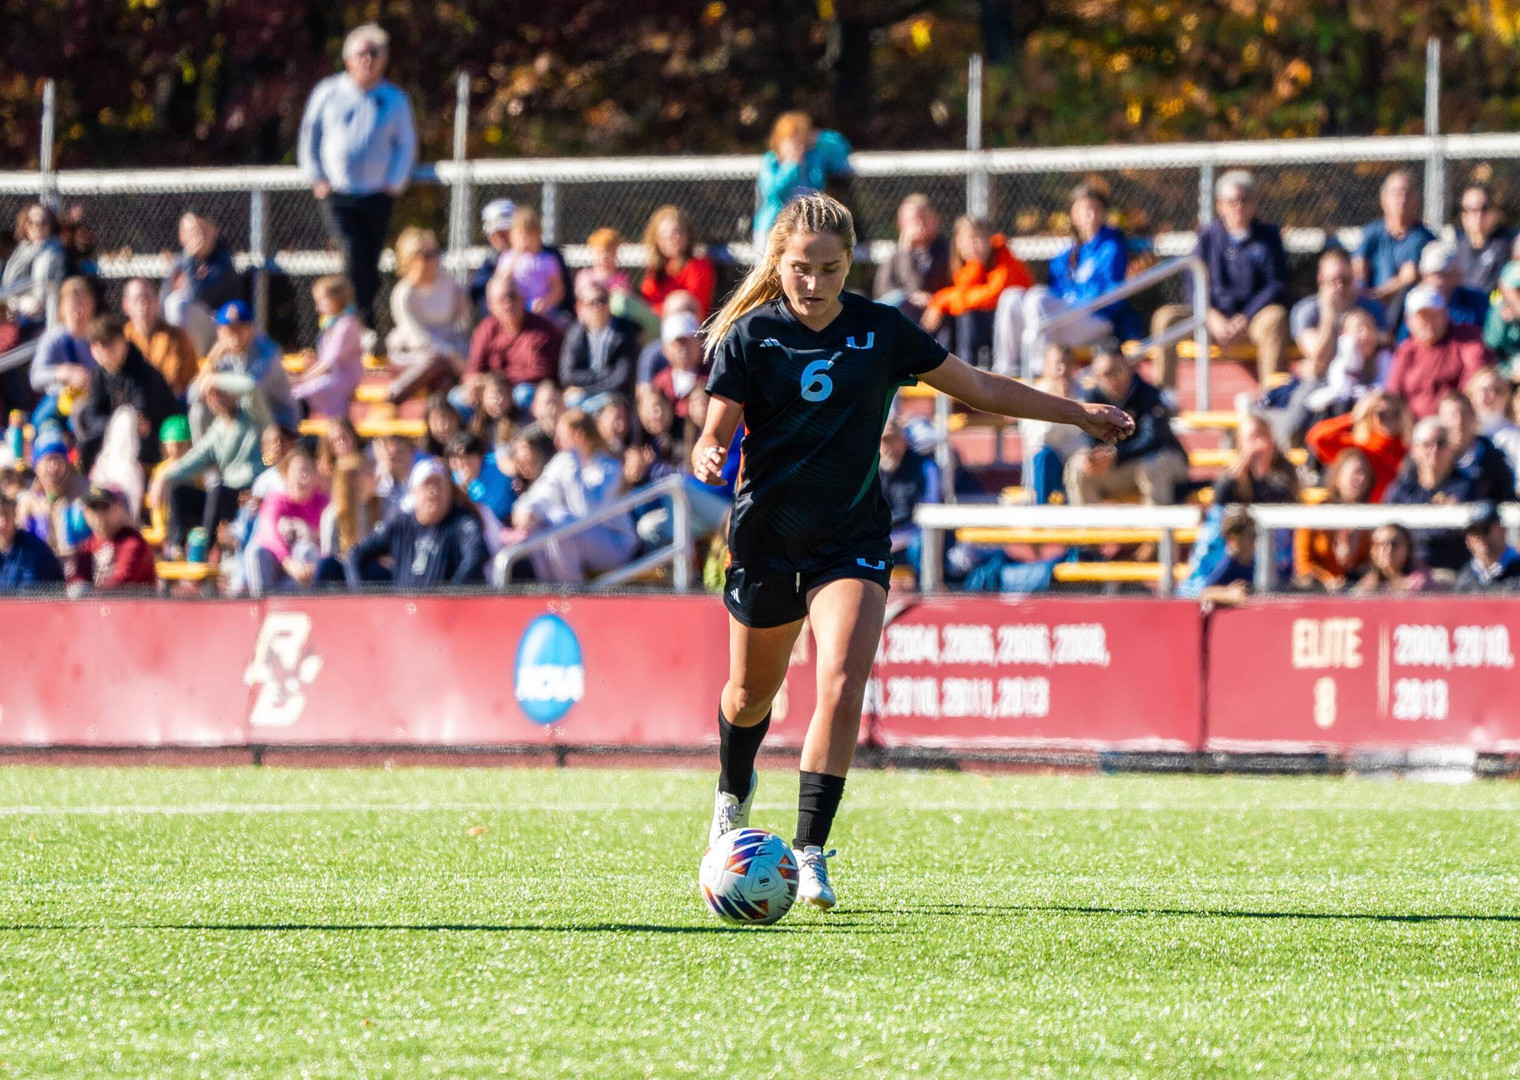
column 981, row 267
column 1378, row 426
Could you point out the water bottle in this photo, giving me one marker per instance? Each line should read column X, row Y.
column 196, row 545
column 15, row 435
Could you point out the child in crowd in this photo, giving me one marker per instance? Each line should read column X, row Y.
column 537, row 272
column 286, row 540
column 333, row 370
column 494, row 394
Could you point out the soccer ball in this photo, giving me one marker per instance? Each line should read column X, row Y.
column 749, row 876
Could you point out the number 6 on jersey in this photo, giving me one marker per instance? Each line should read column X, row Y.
column 815, row 384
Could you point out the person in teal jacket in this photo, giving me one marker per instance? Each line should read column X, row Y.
column 800, row 159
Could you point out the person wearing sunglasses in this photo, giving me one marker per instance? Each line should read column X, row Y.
column 1483, row 243
column 600, row 349
column 1430, row 477
column 357, row 148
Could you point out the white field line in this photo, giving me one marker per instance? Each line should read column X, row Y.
column 148, row 810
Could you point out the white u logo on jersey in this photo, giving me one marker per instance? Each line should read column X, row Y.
column 870, row 340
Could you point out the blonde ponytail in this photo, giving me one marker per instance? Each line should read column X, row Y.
column 814, row 214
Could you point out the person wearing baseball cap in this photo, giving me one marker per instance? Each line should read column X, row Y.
column 50, row 509
column 496, row 223
column 496, row 220
column 1437, row 357
column 436, row 540
column 241, row 349
column 115, row 557
column 1494, row 564
column 1439, row 268
column 680, row 339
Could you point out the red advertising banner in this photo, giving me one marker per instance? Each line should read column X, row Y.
column 124, row 673
column 1337, row 673
column 399, row 670
column 1031, row 673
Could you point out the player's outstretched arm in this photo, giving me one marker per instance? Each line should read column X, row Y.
column 999, row 394
column 711, row 448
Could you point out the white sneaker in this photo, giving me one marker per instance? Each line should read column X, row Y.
column 813, row 877
column 731, row 812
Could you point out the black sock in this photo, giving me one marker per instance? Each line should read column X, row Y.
column 818, row 798
column 737, row 747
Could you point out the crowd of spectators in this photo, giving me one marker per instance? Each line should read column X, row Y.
column 176, row 424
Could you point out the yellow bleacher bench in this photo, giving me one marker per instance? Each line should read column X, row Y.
column 1187, row 348
column 962, row 421
column 295, row 363
column 186, row 571
column 373, row 393
column 1206, row 458
column 1113, row 572
column 917, row 390
column 373, row 429
column 1213, row 419
column 1070, row 537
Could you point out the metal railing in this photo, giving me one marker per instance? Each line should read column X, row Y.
column 935, row 519
column 18, row 355
column 1314, row 188
column 1195, row 324
column 1370, row 516
column 677, row 554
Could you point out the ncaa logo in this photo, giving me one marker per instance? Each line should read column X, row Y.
column 549, row 677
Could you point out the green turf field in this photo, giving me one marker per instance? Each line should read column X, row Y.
column 247, row 922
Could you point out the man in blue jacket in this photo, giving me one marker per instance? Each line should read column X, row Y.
column 1248, row 281
column 25, row 561
column 1151, row 463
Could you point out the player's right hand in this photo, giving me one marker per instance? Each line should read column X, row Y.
column 707, row 459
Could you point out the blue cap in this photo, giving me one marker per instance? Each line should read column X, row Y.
column 49, row 441
column 232, row 313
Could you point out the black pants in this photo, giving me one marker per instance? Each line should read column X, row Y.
column 189, row 506
column 359, row 223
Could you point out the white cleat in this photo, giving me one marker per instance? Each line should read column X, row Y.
column 813, row 886
column 731, row 812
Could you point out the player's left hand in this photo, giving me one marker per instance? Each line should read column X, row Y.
column 1106, row 423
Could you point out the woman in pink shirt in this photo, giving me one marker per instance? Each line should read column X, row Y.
column 286, row 544
column 334, row 369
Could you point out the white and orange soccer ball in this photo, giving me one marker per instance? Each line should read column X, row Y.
column 749, row 877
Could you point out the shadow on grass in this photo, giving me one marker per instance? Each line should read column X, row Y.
column 1176, row 913
column 832, row 926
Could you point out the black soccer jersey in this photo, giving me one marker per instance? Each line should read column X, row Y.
column 815, row 403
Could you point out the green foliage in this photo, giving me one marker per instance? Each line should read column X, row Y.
column 262, row 922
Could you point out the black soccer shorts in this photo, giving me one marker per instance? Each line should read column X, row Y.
column 762, row 598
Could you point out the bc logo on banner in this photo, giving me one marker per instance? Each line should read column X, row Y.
column 549, row 676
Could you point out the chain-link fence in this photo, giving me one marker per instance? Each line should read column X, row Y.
column 1315, row 188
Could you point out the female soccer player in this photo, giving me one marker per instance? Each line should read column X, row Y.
column 813, row 370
